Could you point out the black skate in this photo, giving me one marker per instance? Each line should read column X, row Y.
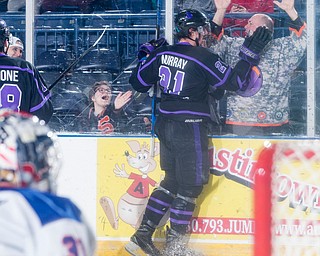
column 141, row 242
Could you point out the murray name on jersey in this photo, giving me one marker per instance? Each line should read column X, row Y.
column 173, row 61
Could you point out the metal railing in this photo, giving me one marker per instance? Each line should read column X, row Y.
column 76, row 32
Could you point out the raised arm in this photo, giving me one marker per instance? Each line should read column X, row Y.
column 288, row 7
column 221, row 6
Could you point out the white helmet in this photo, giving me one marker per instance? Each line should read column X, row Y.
column 29, row 155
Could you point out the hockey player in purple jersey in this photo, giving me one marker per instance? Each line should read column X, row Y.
column 33, row 220
column 186, row 73
column 21, row 86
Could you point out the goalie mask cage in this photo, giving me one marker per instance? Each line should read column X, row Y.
column 287, row 199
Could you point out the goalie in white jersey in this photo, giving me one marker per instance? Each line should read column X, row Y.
column 34, row 221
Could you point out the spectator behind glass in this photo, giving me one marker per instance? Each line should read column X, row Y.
column 103, row 114
column 267, row 112
column 33, row 220
column 15, row 49
column 243, row 6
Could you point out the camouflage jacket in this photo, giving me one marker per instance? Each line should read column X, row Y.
column 270, row 106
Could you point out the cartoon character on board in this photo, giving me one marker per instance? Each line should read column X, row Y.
column 132, row 204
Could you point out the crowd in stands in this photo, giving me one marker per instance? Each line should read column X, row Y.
column 242, row 6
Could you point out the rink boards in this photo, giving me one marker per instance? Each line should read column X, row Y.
column 110, row 178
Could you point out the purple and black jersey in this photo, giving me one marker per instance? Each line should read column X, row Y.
column 185, row 75
column 23, row 89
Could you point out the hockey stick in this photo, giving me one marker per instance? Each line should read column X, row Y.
column 76, row 61
column 155, row 87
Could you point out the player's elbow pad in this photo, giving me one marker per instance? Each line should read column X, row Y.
column 136, row 84
column 238, row 76
column 252, row 84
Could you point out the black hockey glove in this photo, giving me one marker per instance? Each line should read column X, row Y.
column 146, row 48
column 254, row 45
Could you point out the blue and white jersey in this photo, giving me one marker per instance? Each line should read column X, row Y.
column 34, row 223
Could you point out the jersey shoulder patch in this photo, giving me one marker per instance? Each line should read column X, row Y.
column 50, row 207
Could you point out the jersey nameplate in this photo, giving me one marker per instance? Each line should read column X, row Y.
column 173, row 61
column 9, row 75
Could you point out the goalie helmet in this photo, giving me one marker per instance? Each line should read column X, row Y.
column 29, row 155
column 190, row 18
column 4, row 33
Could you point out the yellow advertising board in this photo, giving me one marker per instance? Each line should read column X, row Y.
column 223, row 221
column 127, row 174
